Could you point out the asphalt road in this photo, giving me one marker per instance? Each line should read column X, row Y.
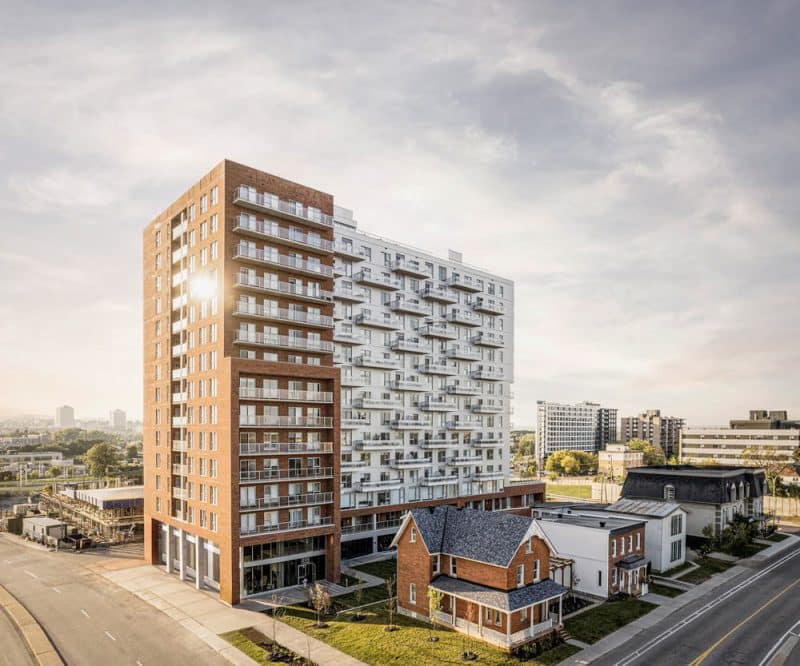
column 13, row 651
column 90, row 620
column 739, row 623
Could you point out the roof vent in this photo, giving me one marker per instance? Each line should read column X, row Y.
column 602, row 523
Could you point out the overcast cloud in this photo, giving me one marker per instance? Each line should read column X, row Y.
column 632, row 166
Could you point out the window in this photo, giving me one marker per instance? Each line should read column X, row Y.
column 413, row 536
column 676, row 525
column 520, row 575
column 614, row 576
column 599, row 578
column 523, row 614
column 630, row 543
column 676, row 550
column 412, row 593
column 435, row 562
column 529, row 546
column 638, row 540
column 453, row 568
column 613, row 547
column 214, row 195
column 535, row 570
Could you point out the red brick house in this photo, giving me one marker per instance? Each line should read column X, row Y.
column 492, row 569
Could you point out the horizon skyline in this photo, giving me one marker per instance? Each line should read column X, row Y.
column 643, row 207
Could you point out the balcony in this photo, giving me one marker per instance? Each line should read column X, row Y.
column 463, row 461
column 180, row 254
column 284, row 448
column 180, row 421
column 273, row 474
column 464, row 387
column 355, row 421
column 248, row 224
column 407, row 384
column 348, row 251
column 437, row 404
column 325, row 521
column 283, row 501
column 378, row 321
column 257, row 311
column 484, row 442
column 487, row 339
column 180, row 301
column 410, row 463
column 487, row 373
column 486, row 407
column 179, row 397
column 488, row 305
column 179, row 229
column 376, row 280
column 464, row 317
column 411, row 267
column 381, row 484
column 378, row 444
column 377, row 403
column 179, row 373
column 438, row 293
column 282, row 341
column 269, row 421
column 486, row 476
column 368, row 361
column 359, row 528
column 348, row 294
column 302, row 292
column 410, row 306
column 438, row 479
column 259, row 256
column 180, row 493
column 408, row 345
column 463, row 424
column 441, row 331
column 178, row 350
column 463, row 353
column 356, row 379
column 410, row 423
column 256, row 393
column 180, row 445
column 180, row 325
column 430, row 368
column 181, row 470
column 248, row 197
column 351, row 464
column 464, row 283
column 439, row 443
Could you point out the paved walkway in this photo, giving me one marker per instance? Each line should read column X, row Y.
column 205, row 616
column 670, row 605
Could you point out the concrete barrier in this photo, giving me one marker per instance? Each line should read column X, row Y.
column 38, row 643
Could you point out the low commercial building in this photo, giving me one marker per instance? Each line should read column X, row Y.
column 491, row 569
column 114, row 514
column 616, row 459
column 608, row 553
column 709, row 495
column 44, row 530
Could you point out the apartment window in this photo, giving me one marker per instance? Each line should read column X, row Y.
column 622, row 545
column 213, row 224
column 213, row 521
column 630, row 543
column 436, row 563
column 613, row 548
column 412, row 593
column 214, row 195
column 214, row 250
column 158, row 460
column 676, row 525
column 158, row 238
column 676, row 550
column 212, row 469
column 535, row 570
column 413, row 536
column 453, row 567
column 520, row 575
column 158, row 504
column 213, row 494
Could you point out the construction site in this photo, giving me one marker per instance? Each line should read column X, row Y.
column 107, row 515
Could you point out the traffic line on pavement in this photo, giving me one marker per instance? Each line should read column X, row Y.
column 778, row 644
column 84, row 613
column 56, row 590
column 633, row 656
column 110, row 636
column 32, row 575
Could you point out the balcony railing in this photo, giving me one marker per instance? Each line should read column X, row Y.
column 440, row 294
column 488, row 305
column 281, row 341
column 411, row 345
column 486, row 476
column 439, row 443
column 180, row 421
column 368, row 361
column 437, row 368
column 464, row 387
column 264, row 201
column 309, row 292
column 179, row 229
column 463, row 424
column 464, row 283
column 286, row 421
column 486, row 407
column 410, row 267
column 257, row 393
column 355, row 379
column 180, row 445
column 409, row 423
column 407, row 305
column 442, row 331
column 402, row 384
column 376, row 280
column 357, row 421
column 369, row 527
column 465, row 317
column 349, row 464
column 244, row 251
column 282, row 501
column 378, row 444
column 348, row 294
column 410, row 463
column 463, row 352
column 487, row 372
column 348, row 251
column 179, row 469
column 484, row 442
column 380, row 484
column 348, row 338
column 487, row 339
column 378, row 320
column 276, row 448
column 376, row 403
column 250, row 475
column 325, row 521
column 437, row 405
column 249, row 224
column 245, row 309
column 438, row 479
column 457, row 461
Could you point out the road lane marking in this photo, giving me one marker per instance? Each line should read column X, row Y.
column 110, row 636
column 32, row 575
column 56, row 590
column 701, row 657
column 633, row 656
column 138, row 663
column 778, row 644
column 83, row 612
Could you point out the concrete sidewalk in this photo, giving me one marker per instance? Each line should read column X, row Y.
column 205, row 616
column 667, row 606
column 37, row 640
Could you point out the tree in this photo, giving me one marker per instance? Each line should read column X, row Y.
column 653, row 454
column 771, row 461
column 55, row 471
column 466, row 652
column 434, row 606
column 390, row 602
column 525, row 445
column 101, row 459
column 572, row 462
column 132, row 452
column 320, row 601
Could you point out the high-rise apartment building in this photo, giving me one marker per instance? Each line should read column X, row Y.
column 663, row 431
column 259, row 461
column 117, row 419
column 65, row 417
column 584, row 426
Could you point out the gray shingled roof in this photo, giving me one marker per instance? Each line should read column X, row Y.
column 704, row 485
column 483, row 536
column 505, row 601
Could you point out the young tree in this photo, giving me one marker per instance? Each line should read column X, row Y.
column 771, row 461
column 320, row 601
column 390, row 602
column 277, row 611
column 434, row 606
column 471, row 619
column 358, row 597
column 131, row 452
column 653, row 455
column 101, row 459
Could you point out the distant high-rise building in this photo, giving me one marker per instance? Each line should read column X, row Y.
column 65, row 417
column 585, row 426
column 117, row 419
column 663, row 431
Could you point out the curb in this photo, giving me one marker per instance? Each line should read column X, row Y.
column 37, row 640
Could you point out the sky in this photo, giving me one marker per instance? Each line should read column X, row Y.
column 631, row 166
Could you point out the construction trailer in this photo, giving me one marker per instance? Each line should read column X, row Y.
column 42, row 529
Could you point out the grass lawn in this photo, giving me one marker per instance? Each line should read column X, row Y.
column 777, row 536
column 241, row 640
column 676, row 570
column 707, row 567
column 579, row 492
column 664, row 590
column 383, row 569
column 753, row 548
column 602, row 620
column 368, row 641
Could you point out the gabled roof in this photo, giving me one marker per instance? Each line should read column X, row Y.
column 505, row 601
column 484, row 536
column 649, row 508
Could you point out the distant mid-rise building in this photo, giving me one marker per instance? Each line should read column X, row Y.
column 662, row 431
column 585, row 426
column 616, row 459
column 65, row 417
column 117, row 419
